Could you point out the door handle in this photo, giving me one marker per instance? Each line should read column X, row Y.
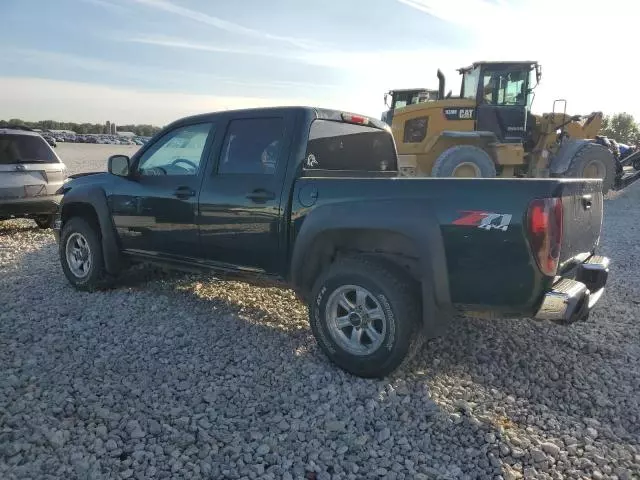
column 184, row 192
column 260, row 195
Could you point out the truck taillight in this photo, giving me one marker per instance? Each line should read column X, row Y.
column 359, row 119
column 544, row 221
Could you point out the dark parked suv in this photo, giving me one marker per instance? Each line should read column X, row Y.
column 30, row 175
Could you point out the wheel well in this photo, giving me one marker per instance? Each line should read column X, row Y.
column 83, row 210
column 389, row 246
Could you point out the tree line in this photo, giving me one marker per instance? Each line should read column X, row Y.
column 81, row 128
column 622, row 128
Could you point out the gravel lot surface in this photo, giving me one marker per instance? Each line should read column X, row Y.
column 172, row 376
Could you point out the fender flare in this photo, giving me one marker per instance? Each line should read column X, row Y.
column 94, row 197
column 414, row 220
column 561, row 160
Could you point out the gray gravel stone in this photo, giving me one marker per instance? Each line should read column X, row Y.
column 550, row 448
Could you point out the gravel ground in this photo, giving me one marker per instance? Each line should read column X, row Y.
column 172, row 376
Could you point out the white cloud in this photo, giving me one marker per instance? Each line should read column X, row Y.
column 108, row 5
column 225, row 25
column 128, row 71
column 40, row 99
column 183, row 43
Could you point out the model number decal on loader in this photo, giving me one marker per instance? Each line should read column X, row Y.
column 459, row 113
column 484, row 220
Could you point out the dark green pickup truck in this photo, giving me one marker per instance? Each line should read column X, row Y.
column 312, row 198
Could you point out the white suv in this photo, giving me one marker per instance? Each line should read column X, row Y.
column 30, row 176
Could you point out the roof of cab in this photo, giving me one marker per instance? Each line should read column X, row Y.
column 497, row 62
column 322, row 113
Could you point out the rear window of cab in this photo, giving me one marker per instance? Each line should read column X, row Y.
column 336, row 145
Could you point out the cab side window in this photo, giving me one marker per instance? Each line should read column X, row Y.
column 179, row 152
column 252, row 146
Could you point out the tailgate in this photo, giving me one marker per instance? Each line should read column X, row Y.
column 30, row 180
column 582, row 204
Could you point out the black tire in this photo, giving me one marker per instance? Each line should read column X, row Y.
column 96, row 276
column 44, row 221
column 588, row 155
column 397, row 297
column 636, row 164
column 455, row 157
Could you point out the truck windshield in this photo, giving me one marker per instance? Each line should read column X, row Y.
column 504, row 87
column 345, row 146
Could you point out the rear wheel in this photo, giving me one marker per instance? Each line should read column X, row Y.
column 464, row 161
column 594, row 161
column 81, row 255
column 365, row 316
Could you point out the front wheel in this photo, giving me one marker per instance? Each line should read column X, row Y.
column 81, row 255
column 365, row 316
column 464, row 161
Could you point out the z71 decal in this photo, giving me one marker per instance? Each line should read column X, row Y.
column 484, row 220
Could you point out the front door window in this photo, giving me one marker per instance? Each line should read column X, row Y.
column 179, row 152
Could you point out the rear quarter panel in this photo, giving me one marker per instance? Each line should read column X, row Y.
column 489, row 265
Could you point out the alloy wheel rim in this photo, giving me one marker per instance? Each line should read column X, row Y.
column 78, row 255
column 355, row 319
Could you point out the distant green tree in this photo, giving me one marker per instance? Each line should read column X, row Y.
column 621, row 127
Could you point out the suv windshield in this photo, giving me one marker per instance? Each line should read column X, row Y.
column 345, row 146
column 16, row 148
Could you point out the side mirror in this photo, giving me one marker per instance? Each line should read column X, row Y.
column 119, row 165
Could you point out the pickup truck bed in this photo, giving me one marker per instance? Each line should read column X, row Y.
column 311, row 197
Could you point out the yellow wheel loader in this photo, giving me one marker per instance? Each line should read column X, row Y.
column 489, row 130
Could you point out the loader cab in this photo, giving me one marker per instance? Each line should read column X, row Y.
column 401, row 98
column 503, row 92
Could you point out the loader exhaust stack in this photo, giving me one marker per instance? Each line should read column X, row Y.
column 440, row 85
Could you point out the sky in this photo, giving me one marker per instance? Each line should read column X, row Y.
column 152, row 61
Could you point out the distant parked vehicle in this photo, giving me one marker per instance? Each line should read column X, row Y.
column 30, row 175
column 50, row 140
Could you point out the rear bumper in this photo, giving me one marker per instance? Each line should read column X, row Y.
column 571, row 299
column 21, row 207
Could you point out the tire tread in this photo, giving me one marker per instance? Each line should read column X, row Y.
column 98, row 278
column 392, row 279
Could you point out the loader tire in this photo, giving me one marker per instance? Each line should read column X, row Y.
column 594, row 161
column 464, row 161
